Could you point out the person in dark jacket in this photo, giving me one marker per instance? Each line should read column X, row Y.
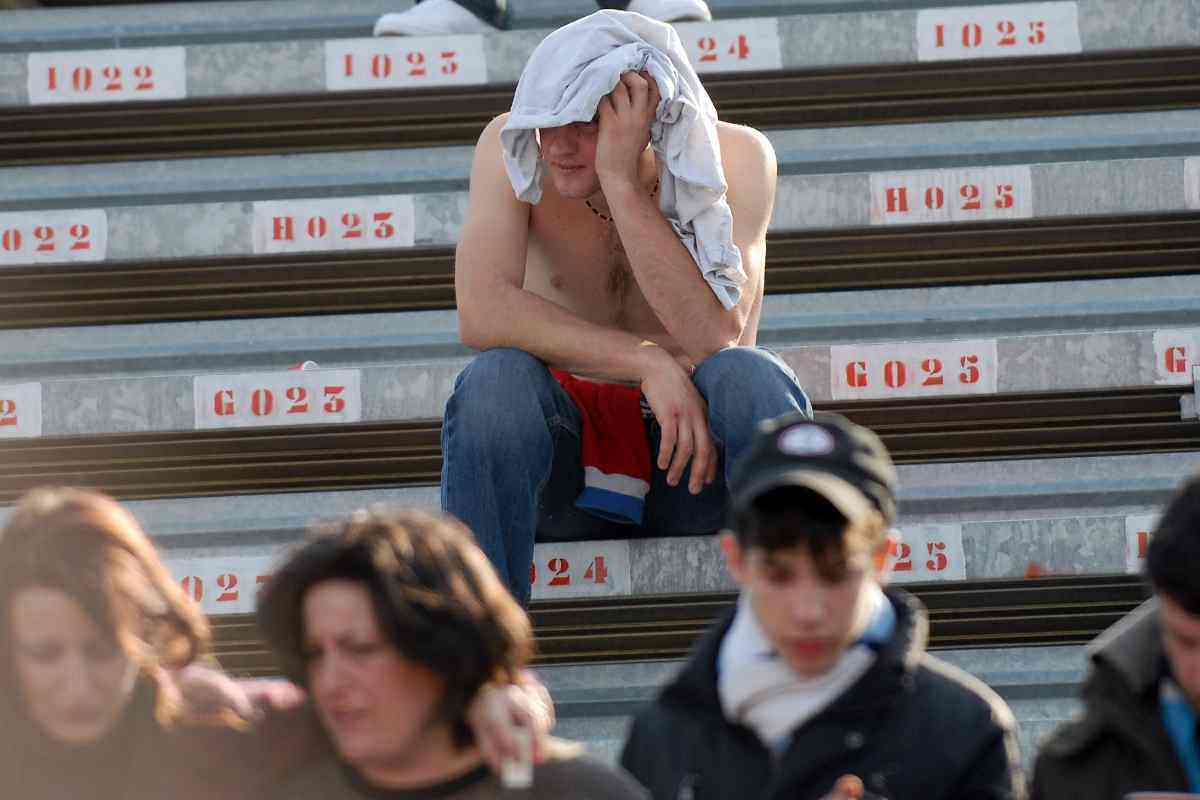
column 820, row 674
column 1138, row 730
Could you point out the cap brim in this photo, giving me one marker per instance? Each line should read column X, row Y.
column 842, row 495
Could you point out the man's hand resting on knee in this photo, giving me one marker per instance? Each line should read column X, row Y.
column 682, row 415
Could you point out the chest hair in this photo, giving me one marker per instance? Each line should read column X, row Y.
column 620, row 274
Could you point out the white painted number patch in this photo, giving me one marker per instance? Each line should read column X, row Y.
column 580, row 569
column 107, row 76
column 21, row 411
column 953, row 195
column 1138, row 529
column 222, row 584
column 913, row 369
column 336, row 223
column 984, row 31
column 53, row 237
column 296, row 397
column 736, row 45
column 394, row 62
column 929, row 553
column 1175, row 353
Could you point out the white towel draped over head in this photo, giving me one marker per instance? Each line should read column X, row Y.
column 563, row 82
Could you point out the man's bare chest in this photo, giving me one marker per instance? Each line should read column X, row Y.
column 584, row 266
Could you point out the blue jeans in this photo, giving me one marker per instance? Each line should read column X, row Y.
column 511, row 465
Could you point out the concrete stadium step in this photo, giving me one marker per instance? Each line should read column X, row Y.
column 1020, row 613
column 972, row 521
column 1080, row 308
column 950, row 374
column 831, row 180
column 318, row 458
column 421, row 278
column 213, row 238
column 266, row 20
column 979, row 344
column 596, row 702
column 800, row 151
column 866, row 65
column 799, row 35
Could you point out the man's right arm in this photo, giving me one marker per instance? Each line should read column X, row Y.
column 495, row 310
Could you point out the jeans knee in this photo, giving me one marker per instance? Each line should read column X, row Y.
column 748, row 366
column 498, row 371
column 499, row 397
column 751, row 382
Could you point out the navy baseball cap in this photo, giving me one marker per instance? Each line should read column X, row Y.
column 845, row 463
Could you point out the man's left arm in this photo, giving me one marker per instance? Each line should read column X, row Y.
column 663, row 268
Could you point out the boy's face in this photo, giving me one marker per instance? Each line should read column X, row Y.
column 810, row 618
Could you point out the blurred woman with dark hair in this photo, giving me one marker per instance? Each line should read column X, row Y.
column 97, row 641
column 90, row 624
column 393, row 621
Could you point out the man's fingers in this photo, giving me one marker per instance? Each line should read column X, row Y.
column 638, row 89
column 702, row 460
column 652, row 93
column 604, row 110
column 619, row 96
column 667, row 444
column 684, row 447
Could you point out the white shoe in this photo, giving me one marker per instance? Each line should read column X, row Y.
column 672, row 10
column 431, row 18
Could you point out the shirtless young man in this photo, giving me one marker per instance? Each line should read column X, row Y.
column 594, row 281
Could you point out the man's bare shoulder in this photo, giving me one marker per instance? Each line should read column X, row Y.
column 493, row 211
column 748, row 160
column 744, row 149
column 489, row 140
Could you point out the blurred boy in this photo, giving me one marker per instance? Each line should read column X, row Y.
column 820, row 673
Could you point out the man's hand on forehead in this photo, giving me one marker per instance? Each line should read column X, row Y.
column 633, row 78
column 634, row 91
column 625, row 116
